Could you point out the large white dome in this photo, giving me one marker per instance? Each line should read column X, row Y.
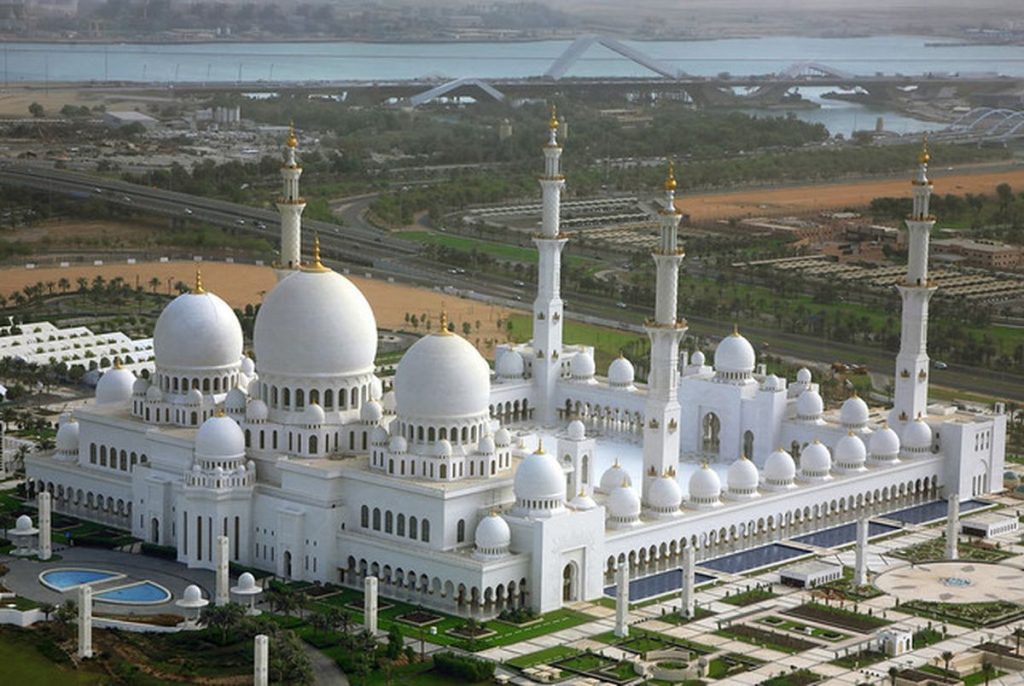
column 197, row 331
column 742, row 478
column 315, row 323
column 67, row 435
column 115, row 386
column 815, row 461
column 612, row 478
column 735, row 354
column 917, row 436
column 442, row 376
column 220, row 436
column 539, row 477
column 623, row 504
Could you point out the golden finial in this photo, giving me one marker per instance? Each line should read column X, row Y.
column 540, row 447
column 854, row 393
column 316, row 265
column 735, row 329
column 219, row 412
column 924, row 157
column 444, row 324
column 293, row 140
column 199, row 290
column 494, row 512
column 553, row 122
column 627, row 482
column 670, row 180
column 616, row 465
column 117, row 363
column 583, row 492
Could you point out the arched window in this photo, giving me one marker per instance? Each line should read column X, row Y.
column 711, row 427
column 329, row 398
column 314, row 443
column 413, row 528
column 460, row 531
column 388, row 522
column 314, row 396
column 425, row 531
column 286, row 397
column 444, row 471
column 300, row 398
column 400, row 529
column 376, row 519
column 364, row 517
column 748, row 444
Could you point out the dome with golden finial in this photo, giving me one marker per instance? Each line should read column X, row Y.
column 670, row 181
column 197, row 331
column 553, row 121
column 924, row 157
column 293, row 140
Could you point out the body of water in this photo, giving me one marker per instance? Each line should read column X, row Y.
column 339, row 62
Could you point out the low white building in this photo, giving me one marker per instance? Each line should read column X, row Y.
column 989, row 525
column 810, row 574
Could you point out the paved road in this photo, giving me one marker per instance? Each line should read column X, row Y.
column 325, row 670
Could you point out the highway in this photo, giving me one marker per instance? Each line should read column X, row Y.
column 366, row 250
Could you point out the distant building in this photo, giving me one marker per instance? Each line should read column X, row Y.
column 980, row 253
column 116, row 120
column 798, row 229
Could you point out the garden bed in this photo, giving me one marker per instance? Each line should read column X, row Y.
column 993, row 613
column 934, row 550
column 419, row 618
column 800, row 677
column 773, row 640
column 859, row 659
column 800, row 628
column 837, row 617
column 472, row 633
column 754, row 595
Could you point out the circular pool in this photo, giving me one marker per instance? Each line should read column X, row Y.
column 141, row 593
column 66, row 579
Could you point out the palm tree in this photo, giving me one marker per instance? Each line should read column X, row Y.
column 947, row 657
column 988, row 670
column 1018, row 633
column 223, row 618
column 82, row 283
column 63, row 284
column 47, row 609
column 154, row 283
column 893, row 673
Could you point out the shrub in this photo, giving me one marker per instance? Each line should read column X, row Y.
column 465, row 669
column 164, row 552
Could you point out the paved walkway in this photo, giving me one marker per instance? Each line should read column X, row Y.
column 325, row 670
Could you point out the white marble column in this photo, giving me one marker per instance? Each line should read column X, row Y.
column 370, row 604
column 223, row 594
column 860, row 569
column 622, row 601
column 686, row 605
column 952, row 526
column 261, row 661
column 45, row 546
column 84, row 621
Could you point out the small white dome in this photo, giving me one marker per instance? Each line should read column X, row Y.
column 115, row 386
column 734, row 354
column 664, row 495
column 486, row 445
column 612, row 478
column 140, row 386
column 246, row 582
column 220, row 436
column 154, row 394
column 388, row 402
column 772, row 383
column 492, row 536
column 803, row 375
column 398, row 445
column 379, row 436
column 917, row 436
column 194, row 397
column 581, row 366
column 779, row 469
column 371, row 412
column 256, row 411
column 623, row 504
column 503, row 438
column 235, row 401
column 313, row 415
column 315, row 324
column 621, row 373
column 443, row 448
column 884, row 444
column 247, row 367
column 809, row 406
column 192, row 594
column 854, row 413
column 815, row 461
column 510, row 365
column 583, row 502
column 67, row 436
column 442, row 376
column 197, row 331
column 742, row 479
column 697, row 359
column 850, row 453
column 705, row 487
column 539, row 477
column 23, row 525
column 576, row 430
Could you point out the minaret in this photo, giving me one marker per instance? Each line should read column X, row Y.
column 547, row 308
column 290, row 205
column 661, row 413
column 912, row 362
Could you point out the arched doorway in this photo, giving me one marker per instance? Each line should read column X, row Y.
column 287, row 564
column 710, row 429
column 570, row 583
column 748, row 444
column 154, row 533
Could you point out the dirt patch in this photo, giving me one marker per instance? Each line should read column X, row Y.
column 243, row 284
column 15, row 100
column 83, row 232
column 800, row 200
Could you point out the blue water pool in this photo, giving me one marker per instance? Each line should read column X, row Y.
column 657, row 584
column 142, row 593
column 841, row 535
column 64, row 579
column 930, row 512
column 764, row 556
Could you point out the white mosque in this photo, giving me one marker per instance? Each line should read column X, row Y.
column 443, row 487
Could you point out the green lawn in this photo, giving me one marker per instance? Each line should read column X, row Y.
column 935, row 549
column 966, row 614
column 860, row 659
column 979, row 677
column 24, row 665
column 499, row 251
column 801, row 628
column 754, row 595
column 541, row 657
column 608, row 343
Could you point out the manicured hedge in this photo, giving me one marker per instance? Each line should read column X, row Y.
column 466, row 669
column 164, row 552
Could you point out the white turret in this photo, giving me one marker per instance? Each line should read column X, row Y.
column 912, row 361
column 662, row 412
column 290, row 205
column 547, row 308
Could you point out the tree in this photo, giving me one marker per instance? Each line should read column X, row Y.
column 223, row 618
column 63, row 284
column 947, row 657
column 154, row 283
column 987, row 670
column 1018, row 633
column 47, row 609
column 394, row 642
column 289, row 663
column 893, row 673
column 36, row 110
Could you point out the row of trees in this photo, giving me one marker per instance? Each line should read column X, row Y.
column 989, row 216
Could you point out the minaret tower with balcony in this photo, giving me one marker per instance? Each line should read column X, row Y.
column 912, row 361
column 547, row 308
column 290, row 205
column 666, row 330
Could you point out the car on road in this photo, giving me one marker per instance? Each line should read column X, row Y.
column 260, row 225
column 126, row 198
column 188, row 210
column 97, row 190
column 621, row 305
column 939, row 364
column 519, row 284
column 240, row 222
